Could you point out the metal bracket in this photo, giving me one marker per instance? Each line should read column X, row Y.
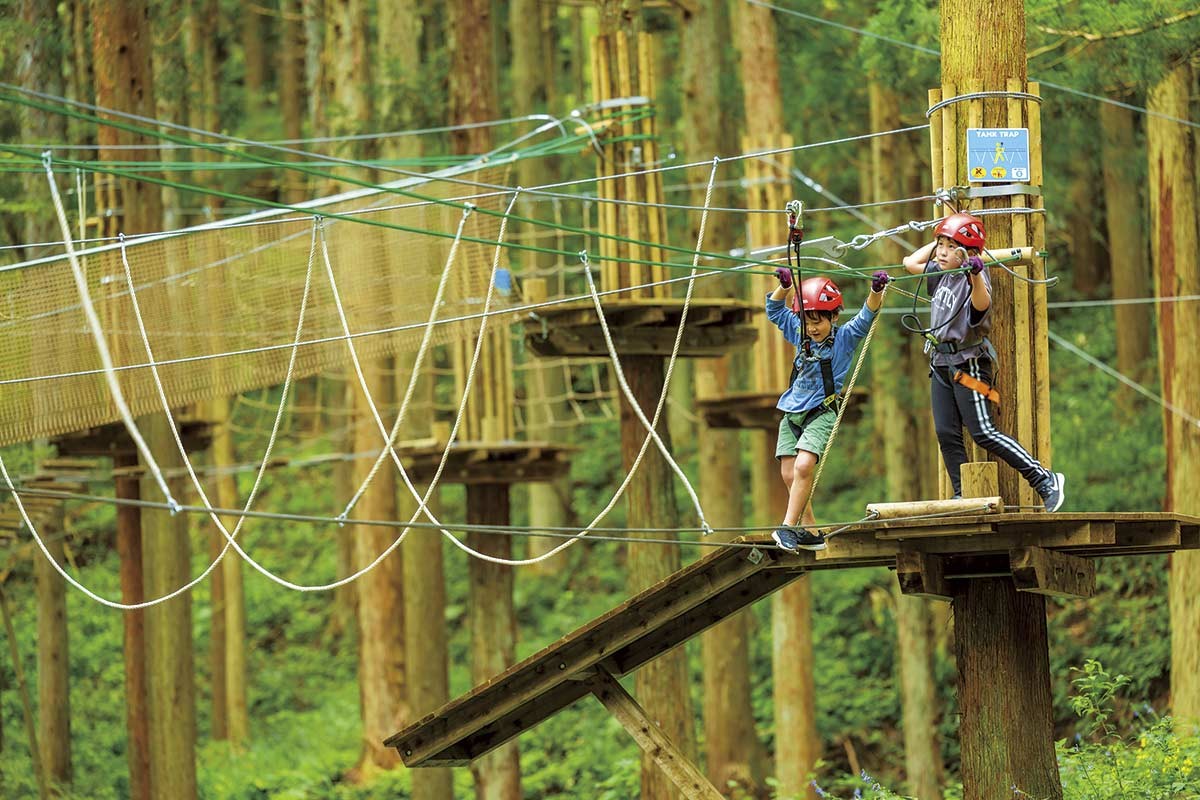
column 1005, row 190
column 829, row 246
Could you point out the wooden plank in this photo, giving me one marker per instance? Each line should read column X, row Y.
column 949, row 139
column 931, row 531
column 935, row 144
column 886, row 511
column 1041, row 571
column 922, row 575
column 669, row 758
column 1038, row 311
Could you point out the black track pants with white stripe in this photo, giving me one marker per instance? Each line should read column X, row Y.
column 954, row 406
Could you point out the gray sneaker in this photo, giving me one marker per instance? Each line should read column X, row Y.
column 1054, row 493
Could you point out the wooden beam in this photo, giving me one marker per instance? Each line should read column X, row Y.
column 922, row 575
column 1040, row 571
column 674, row 764
column 885, row 511
column 980, row 479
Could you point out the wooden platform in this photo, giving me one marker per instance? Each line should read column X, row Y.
column 709, row 590
column 643, row 327
column 497, row 463
column 757, row 411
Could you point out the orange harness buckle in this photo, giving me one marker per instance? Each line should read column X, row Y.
column 976, row 385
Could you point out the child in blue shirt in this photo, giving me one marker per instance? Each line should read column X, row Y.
column 824, row 352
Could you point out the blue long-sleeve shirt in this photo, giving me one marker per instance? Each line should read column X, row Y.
column 808, row 390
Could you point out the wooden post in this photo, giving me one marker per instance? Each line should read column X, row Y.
column 1006, row 731
column 980, row 479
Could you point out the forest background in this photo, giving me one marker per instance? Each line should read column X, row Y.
column 270, row 72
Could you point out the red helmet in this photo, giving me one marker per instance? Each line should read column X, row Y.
column 820, row 294
column 964, row 229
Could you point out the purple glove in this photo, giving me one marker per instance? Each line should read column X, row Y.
column 879, row 280
column 785, row 277
column 976, row 264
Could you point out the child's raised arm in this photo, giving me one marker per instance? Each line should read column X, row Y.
column 879, row 281
column 915, row 261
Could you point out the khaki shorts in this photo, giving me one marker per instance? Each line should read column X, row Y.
column 815, row 427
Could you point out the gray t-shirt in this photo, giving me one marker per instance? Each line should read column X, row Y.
column 952, row 317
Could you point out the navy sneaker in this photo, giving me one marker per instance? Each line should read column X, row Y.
column 785, row 537
column 809, row 540
column 1053, row 493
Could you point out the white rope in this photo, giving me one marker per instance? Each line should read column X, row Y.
column 93, row 321
column 616, row 361
column 187, row 462
column 417, row 362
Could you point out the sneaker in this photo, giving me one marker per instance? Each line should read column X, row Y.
column 785, row 537
column 809, row 540
column 1054, row 494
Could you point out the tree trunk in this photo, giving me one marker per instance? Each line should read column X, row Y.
column 493, row 630
column 1088, row 269
column 171, row 690
column 895, row 421
column 254, row 55
column 425, row 641
column 233, row 663
column 41, row 44
column 25, row 699
column 200, row 35
column 1173, row 248
column 218, row 641
column 662, row 684
column 1006, row 730
column 170, row 85
column 1131, row 274
column 346, row 604
column 399, row 58
column 292, row 90
column 733, row 756
column 79, row 70
column 53, row 658
column 472, row 82
column 381, row 668
column 347, row 76
column 797, row 744
column 549, row 503
column 129, row 553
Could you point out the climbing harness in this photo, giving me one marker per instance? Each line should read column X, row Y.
column 975, row 385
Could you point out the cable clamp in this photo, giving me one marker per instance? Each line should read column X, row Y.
column 173, row 506
column 340, row 519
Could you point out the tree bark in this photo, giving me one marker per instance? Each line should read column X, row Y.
column 1007, row 728
column 472, row 79
column 493, row 629
column 171, row 689
column 549, row 503
column 733, row 751
column 1089, row 270
column 895, row 421
column 53, row 658
column 381, row 667
column 292, row 90
column 425, row 641
column 1173, row 225
column 129, row 553
column 200, row 36
column 41, row 51
column 25, row 699
column 233, row 662
column 347, row 75
column 662, row 684
column 1131, row 274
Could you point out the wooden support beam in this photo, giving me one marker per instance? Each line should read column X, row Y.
column 966, row 505
column 1041, row 571
column 674, row 764
column 922, row 575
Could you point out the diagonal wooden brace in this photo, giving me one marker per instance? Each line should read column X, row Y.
column 674, row 764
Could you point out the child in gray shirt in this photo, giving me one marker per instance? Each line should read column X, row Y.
column 961, row 359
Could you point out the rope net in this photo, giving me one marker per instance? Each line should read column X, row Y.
column 235, row 291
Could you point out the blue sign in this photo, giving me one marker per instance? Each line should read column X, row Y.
column 998, row 154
